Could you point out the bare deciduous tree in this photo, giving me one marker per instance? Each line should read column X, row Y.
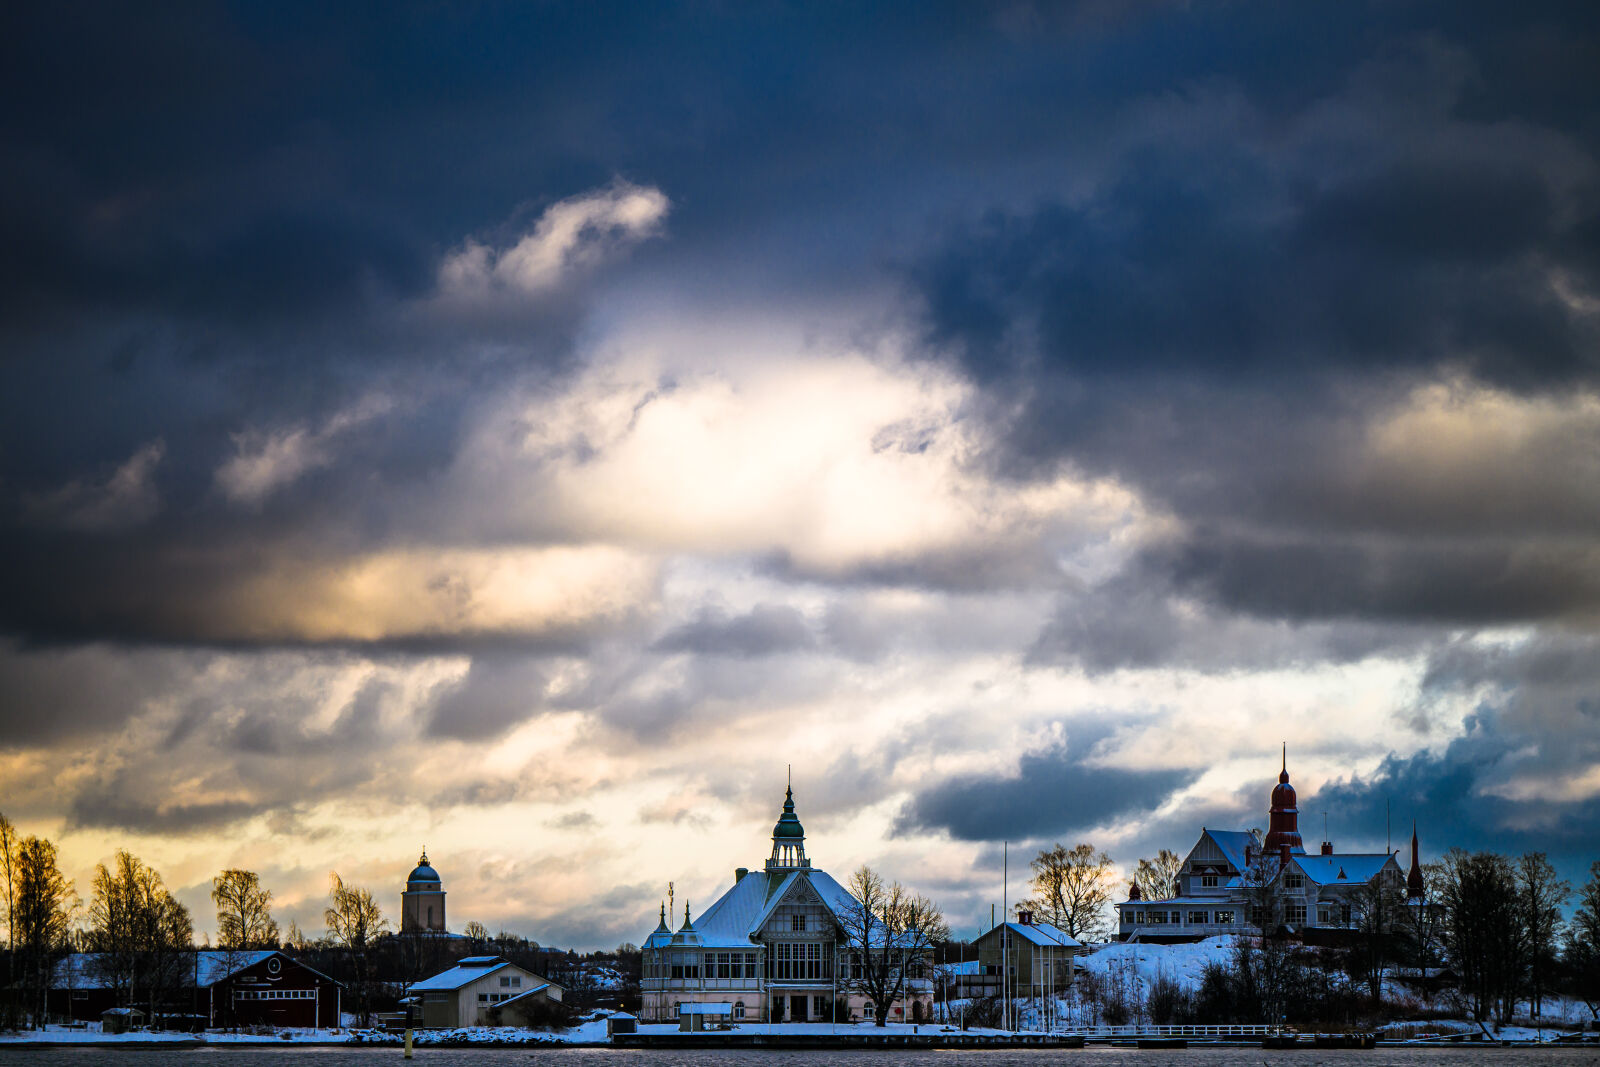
column 8, row 874
column 1157, row 878
column 1482, row 931
column 354, row 920
column 1583, row 943
column 244, row 916
column 1072, row 890
column 41, row 918
column 1541, row 896
column 890, row 933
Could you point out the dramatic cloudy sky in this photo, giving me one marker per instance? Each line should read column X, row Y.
column 525, row 429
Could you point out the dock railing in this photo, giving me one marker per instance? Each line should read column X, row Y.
column 1219, row 1031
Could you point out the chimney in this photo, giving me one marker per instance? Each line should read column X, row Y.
column 739, row 873
column 1025, row 918
column 1327, row 848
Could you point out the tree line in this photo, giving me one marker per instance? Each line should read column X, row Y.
column 142, row 938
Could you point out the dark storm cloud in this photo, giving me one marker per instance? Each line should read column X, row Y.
column 497, row 694
column 227, row 219
column 1137, row 620
column 1519, row 777
column 1055, row 792
column 122, row 805
column 1219, row 316
column 1310, row 578
column 765, row 630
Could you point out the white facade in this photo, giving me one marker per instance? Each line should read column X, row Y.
column 771, row 946
column 1232, row 882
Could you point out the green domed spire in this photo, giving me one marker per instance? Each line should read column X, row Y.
column 788, row 827
column 788, row 837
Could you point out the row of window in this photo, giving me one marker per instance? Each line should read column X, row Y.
column 717, row 965
column 785, row 960
column 513, row 981
column 492, row 998
column 801, row 961
column 274, row 994
column 1177, row 918
column 1327, row 915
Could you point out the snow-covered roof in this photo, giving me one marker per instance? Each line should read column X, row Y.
column 1039, row 934
column 82, row 970
column 1344, row 868
column 739, row 913
column 1232, row 844
column 468, row 970
column 1176, row 902
column 535, row 991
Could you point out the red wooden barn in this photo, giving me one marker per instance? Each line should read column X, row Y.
column 254, row 988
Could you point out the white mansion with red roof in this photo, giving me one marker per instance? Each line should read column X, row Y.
column 1231, row 877
column 770, row 948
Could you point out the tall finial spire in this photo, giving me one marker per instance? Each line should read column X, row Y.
column 1416, row 888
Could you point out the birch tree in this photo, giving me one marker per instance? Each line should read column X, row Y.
column 1157, row 878
column 8, row 874
column 41, row 918
column 354, row 921
column 244, row 915
column 890, row 933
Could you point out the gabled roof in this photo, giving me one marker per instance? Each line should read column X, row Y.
column 1038, row 934
column 206, row 967
column 468, row 970
column 1231, row 843
column 1348, row 868
column 739, row 913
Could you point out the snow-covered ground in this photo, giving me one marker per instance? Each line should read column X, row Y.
column 67, row 1035
column 1139, row 962
column 590, row 1031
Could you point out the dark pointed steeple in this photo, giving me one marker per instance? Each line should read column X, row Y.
column 1415, row 890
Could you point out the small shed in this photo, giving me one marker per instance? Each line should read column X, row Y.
column 120, row 1020
column 713, row 1016
column 622, row 1023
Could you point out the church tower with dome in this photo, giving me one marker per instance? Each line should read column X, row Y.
column 422, row 902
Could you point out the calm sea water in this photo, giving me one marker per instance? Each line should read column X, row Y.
column 1090, row 1057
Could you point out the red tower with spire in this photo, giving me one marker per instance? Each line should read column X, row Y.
column 1283, row 825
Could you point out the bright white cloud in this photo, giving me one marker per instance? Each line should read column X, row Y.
column 265, row 461
column 835, row 461
column 572, row 234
